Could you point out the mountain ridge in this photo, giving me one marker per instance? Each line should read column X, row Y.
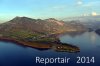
column 47, row 26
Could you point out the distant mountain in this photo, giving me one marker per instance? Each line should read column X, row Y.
column 47, row 26
column 97, row 31
column 91, row 22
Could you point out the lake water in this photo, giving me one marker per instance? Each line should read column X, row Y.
column 12, row 54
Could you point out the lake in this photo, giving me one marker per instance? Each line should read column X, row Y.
column 13, row 54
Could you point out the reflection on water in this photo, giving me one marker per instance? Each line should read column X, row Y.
column 93, row 37
column 72, row 34
column 12, row 54
column 86, row 38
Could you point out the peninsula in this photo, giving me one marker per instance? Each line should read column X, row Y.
column 38, row 33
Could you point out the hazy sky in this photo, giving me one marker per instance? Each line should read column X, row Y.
column 48, row 8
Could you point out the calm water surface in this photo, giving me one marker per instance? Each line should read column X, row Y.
column 12, row 54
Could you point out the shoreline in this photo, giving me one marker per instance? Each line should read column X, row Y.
column 24, row 43
column 56, row 46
